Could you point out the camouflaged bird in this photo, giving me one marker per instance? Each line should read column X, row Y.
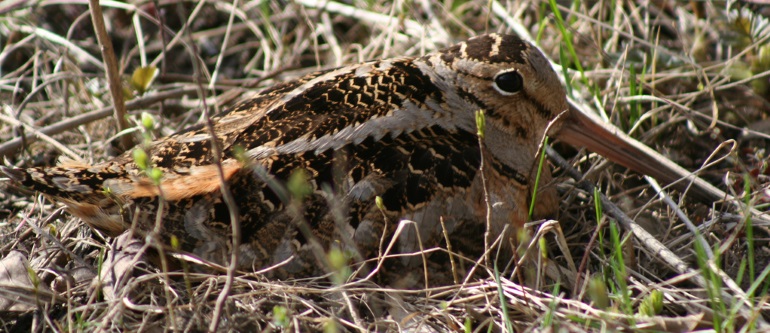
column 403, row 130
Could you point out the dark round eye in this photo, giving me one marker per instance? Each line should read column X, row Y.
column 509, row 82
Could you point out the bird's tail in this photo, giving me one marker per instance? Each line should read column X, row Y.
column 80, row 188
column 74, row 182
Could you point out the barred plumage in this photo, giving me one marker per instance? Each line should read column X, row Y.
column 403, row 130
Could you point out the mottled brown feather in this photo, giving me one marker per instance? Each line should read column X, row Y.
column 401, row 129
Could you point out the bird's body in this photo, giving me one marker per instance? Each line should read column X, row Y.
column 403, row 130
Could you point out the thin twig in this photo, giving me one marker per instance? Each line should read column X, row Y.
column 671, row 204
column 227, row 197
column 10, row 147
column 59, row 146
column 113, row 74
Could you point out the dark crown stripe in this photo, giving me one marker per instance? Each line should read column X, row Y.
column 491, row 48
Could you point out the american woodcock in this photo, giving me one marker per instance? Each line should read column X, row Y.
column 403, row 130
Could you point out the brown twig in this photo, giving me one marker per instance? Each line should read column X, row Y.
column 113, row 74
column 227, row 195
column 9, row 148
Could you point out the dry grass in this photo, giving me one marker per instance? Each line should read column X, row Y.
column 683, row 79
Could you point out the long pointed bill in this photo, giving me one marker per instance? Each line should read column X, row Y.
column 584, row 130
